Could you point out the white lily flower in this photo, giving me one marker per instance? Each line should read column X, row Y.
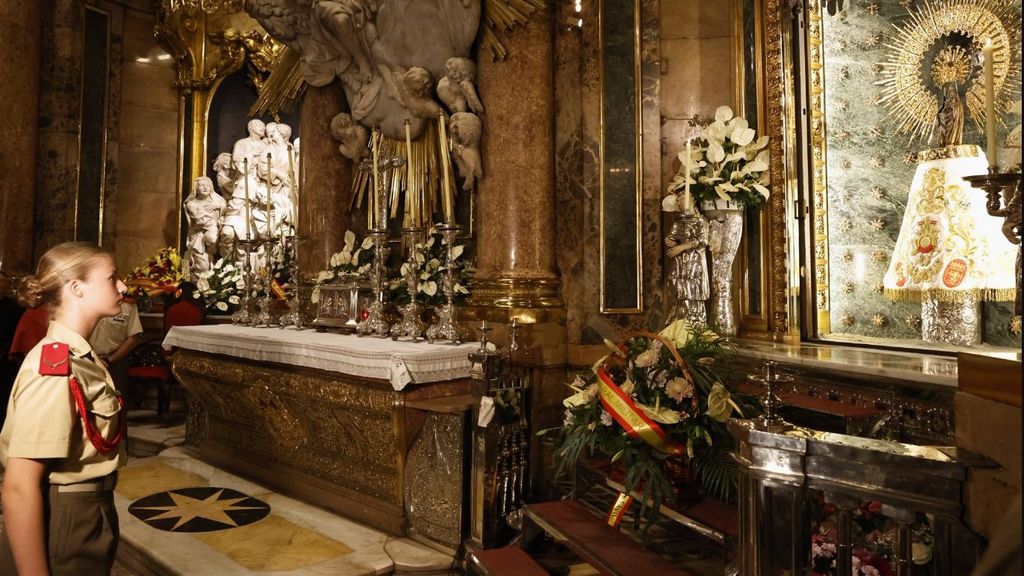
column 760, row 163
column 715, row 152
column 457, row 251
column 367, row 243
column 233, row 299
column 350, row 240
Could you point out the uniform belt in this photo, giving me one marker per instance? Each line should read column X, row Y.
column 104, row 484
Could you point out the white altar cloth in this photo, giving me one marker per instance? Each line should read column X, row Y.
column 348, row 354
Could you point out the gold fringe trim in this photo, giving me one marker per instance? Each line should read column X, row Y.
column 957, row 296
column 282, row 86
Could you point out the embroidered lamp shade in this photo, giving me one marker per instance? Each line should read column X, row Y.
column 949, row 249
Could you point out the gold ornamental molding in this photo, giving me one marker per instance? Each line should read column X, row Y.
column 515, row 292
column 777, row 91
column 819, row 177
column 941, row 42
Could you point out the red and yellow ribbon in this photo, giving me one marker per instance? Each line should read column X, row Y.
column 619, row 509
column 632, row 418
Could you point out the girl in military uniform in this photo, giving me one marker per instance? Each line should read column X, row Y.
column 61, row 444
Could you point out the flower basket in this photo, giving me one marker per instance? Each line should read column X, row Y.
column 655, row 406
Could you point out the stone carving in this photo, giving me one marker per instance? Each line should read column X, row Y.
column 456, row 89
column 466, row 131
column 203, row 208
column 352, row 136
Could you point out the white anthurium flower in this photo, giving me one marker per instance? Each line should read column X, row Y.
column 222, row 306
column 715, row 152
column 233, row 299
column 758, row 144
column 457, row 251
column 678, row 332
column 367, row 243
column 344, row 258
column 425, row 275
column 228, row 267
column 709, row 179
column 722, row 192
column 761, row 190
column 324, row 276
column 240, row 284
column 404, row 269
column 461, row 289
column 430, row 241
column 723, row 114
column 660, row 414
column 715, row 133
column 333, row 262
column 434, row 264
column 203, row 284
column 670, row 203
column 363, row 269
column 350, row 240
column 429, row 288
column 760, row 163
column 315, row 296
column 355, row 255
column 737, row 155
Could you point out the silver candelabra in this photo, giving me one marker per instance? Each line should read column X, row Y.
column 294, row 316
column 411, row 325
column 244, row 316
column 446, row 328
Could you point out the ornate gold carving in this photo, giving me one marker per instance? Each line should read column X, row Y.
column 816, row 61
column 961, row 151
column 777, row 120
column 504, row 16
column 515, row 292
column 914, row 104
column 434, row 480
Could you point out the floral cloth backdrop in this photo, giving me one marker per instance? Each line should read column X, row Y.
column 869, row 169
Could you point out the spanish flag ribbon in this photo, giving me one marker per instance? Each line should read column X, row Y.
column 278, row 290
column 619, row 509
column 631, row 418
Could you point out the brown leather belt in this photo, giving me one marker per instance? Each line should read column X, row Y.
column 104, row 484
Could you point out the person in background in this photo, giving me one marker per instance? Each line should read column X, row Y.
column 10, row 315
column 113, row 340
column 62, row 441
column 31, row 329
column 186, row 311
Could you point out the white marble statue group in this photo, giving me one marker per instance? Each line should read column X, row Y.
column 392, row 57
column 257, row 198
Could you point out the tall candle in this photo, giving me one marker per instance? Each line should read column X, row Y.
column 410, row 192
column 295, row 190
column 248, row 200
column 446, row 190
column 376, row 179
column 687, row 198
column 270, row 202
column 990, row 104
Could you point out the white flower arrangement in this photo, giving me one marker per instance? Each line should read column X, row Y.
column 725, row 164
column 430, row 258
column 350, row 262
column 220, row 286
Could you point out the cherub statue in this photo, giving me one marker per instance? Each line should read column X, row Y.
column 352, row 136
column 466, row 131
column 203, row 208
column 456, row 89
column 686, row 244
column 416, row 92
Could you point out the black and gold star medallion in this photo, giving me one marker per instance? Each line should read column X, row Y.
column 206, row 509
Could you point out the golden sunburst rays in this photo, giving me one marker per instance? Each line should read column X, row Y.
column 913, row 102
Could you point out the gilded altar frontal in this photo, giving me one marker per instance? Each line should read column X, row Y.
column 499, row 287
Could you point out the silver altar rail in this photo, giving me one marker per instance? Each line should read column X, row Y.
column 781, row 473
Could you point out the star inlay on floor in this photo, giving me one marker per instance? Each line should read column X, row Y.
column 206, row 509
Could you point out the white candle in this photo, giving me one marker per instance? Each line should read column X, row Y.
column 410, row 193
column 270, row 202
column 376, row 179
column 295, row 189
column 990, row 104
column 248, row 200
column 446, row 190
column 687, row 198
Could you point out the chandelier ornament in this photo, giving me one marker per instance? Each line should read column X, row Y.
column 940, row 43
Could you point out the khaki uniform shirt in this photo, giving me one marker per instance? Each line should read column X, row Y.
column 43, row 422
column 112, row 331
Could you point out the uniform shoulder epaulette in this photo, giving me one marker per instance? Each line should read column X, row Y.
column 55, row 360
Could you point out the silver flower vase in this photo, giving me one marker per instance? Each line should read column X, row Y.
column 725, row 222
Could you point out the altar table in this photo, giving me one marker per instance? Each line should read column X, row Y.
column 371, row 428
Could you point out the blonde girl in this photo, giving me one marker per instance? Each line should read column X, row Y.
column 61, row 444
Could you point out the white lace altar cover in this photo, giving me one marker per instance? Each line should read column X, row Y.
column 347, row 354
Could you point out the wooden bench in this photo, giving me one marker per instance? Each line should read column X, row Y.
column 503, row 562
column 595, row 542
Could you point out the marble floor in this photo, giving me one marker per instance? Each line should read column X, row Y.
column 181, row 516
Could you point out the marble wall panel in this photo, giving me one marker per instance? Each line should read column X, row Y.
column 149, row 85
column 19, row 27
column 695, row 19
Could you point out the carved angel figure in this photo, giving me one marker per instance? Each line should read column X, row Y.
column 456, row 89
column 466, row 131
column 352, row 136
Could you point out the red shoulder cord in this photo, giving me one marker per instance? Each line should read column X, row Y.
column 98, row 441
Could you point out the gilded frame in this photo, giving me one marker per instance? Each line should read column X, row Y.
column 637, row 168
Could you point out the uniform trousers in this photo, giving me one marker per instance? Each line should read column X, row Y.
column 82, row 534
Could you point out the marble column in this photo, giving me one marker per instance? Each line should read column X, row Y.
column 515, row 211
column 20, row 27
column 325, row 185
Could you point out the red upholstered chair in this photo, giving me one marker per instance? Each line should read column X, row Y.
column 152, row 364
